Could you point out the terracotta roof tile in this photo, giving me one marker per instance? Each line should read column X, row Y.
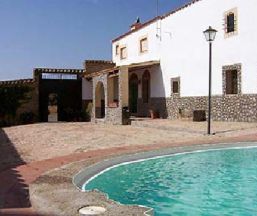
column 55, row 70
column 99, row 61
column 16, row 82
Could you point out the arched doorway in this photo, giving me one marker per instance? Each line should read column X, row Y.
column 99, row 101
column 146, row 79
column 133, row 93
column 52, row 107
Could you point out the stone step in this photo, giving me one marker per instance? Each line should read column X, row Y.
column 133, row 119
column 156, row 124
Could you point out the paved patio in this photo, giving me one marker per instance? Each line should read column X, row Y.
column 33, row 150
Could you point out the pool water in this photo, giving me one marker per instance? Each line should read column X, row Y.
column 220, row 182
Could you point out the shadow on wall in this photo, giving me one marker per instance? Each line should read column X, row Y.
column 157, row 106
column 159, row 88
column 14, row 192
column 18, row 104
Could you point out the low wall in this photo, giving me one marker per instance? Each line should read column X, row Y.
column 224, row 108
column 19, row 102
column 114, row 115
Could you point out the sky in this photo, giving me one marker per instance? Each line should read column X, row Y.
column 64, row 33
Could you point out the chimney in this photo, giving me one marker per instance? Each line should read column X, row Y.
column 136, row 25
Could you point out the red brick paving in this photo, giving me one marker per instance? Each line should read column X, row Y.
column 23, row 175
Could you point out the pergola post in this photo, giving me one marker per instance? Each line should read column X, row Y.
column 124, row 87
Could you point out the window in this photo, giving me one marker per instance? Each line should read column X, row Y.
column 117, row 50
column 146, row 86
column 231, row 22
column 123, row 52
column 232, row 79
column 175, row 86
column 231, row 82
column 143, row 45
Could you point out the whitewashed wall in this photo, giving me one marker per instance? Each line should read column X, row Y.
column 132, row 44
column 183, row 50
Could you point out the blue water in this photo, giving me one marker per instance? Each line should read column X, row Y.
column 222, row 182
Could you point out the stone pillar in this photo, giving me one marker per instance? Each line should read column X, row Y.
column 124, row 87
column 124, row 94
column 110, row 89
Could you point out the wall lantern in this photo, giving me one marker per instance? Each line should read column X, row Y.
column 210, row 34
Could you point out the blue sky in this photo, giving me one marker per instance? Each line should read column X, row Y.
column 63, row 33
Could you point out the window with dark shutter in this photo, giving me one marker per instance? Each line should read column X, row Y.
column 230, row 22
column 175, row 87
column 231, row 82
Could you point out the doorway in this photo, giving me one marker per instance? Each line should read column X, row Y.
column 133, row 93
column 99, row 101
column 52, row 107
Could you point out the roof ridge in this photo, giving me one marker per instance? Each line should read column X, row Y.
column 173, row 11
column 180, row 8
column 142, row 26
column 99, row 61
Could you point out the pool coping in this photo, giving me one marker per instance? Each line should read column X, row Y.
column 89, row 173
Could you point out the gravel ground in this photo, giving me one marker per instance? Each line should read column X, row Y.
column 25, row 144
column 53, row 192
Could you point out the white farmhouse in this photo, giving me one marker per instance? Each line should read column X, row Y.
column 161, row 67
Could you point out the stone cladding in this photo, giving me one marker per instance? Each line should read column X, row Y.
column 242, row 108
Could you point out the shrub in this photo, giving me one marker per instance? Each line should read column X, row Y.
column 87, row 112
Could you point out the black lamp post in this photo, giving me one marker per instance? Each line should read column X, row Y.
column 210, row 34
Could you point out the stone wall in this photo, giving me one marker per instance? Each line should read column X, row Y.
column 20, row 102
column 224, row 108
column 32, row 104
column 235, row 108
column 113, row 115
column 29, row 98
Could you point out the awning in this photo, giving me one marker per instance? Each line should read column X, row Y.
column 142, row 65
column 131, row 67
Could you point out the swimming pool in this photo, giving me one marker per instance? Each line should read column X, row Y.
column 211, row 182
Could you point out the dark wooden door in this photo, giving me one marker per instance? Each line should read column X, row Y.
column 133, row 94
